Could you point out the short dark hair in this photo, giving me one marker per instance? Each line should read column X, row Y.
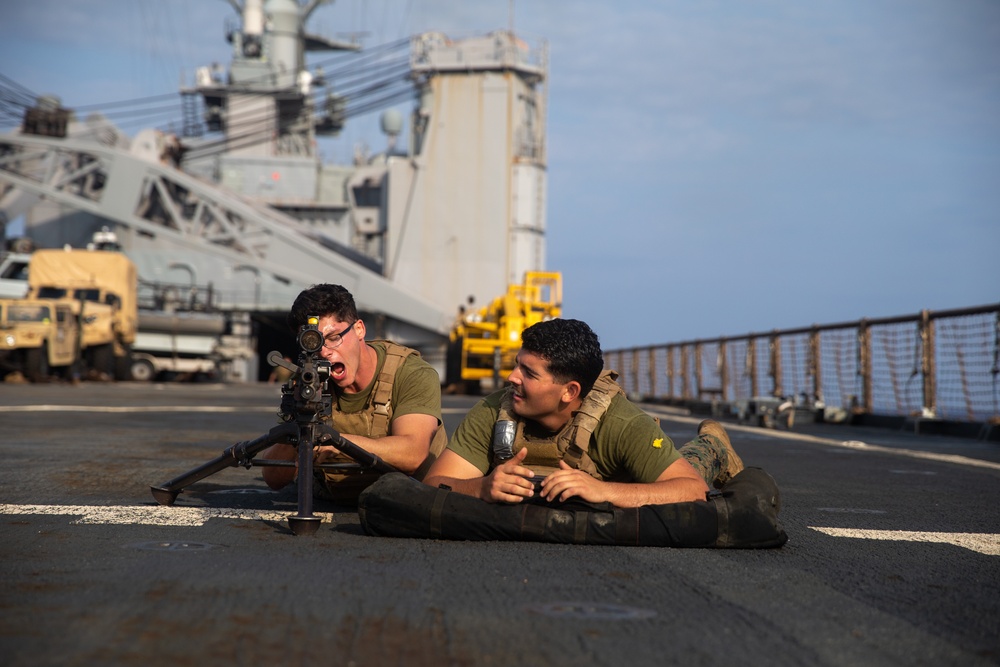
column 572, row 349
column 322, row 300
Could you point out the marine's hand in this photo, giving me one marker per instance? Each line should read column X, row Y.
column 567, row 483
column 325, row 453
column 509, row 482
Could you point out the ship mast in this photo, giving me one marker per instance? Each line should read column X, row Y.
column 267, row 103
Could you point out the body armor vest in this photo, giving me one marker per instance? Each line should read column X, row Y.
column 571, row 444
column 373, row 422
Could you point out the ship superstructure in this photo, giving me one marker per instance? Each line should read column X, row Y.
column 250, row 210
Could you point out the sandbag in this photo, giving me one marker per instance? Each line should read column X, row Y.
column 743, row 514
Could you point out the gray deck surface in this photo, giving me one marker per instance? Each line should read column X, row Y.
column 893, row 556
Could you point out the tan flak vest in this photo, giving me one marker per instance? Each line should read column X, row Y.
column 373, row 421
column 572, row 443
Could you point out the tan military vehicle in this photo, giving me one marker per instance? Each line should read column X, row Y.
column 38, row 337
column 80, row 309
column 100, row 288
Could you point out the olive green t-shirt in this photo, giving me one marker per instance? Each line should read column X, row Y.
column 627, row 445
column 415, row 390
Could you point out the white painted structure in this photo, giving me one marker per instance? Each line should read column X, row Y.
column 466, row 214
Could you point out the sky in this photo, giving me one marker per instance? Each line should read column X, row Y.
column 716, row 167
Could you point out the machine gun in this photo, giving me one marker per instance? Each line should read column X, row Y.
column 305, row 400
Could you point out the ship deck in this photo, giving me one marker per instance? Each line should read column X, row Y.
column 893, row 555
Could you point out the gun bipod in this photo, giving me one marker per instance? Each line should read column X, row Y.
column 243, row 453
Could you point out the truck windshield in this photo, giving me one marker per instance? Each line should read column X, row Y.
column 29, row 314
column 87, row 295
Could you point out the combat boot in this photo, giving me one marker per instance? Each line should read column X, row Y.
column 734, row 464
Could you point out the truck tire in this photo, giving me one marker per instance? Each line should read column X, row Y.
column 142, row 370
column 36, row 363
column 123, row 367
column 103, row 360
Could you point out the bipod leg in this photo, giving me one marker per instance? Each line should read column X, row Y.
column 239, row 454
column 304, row 523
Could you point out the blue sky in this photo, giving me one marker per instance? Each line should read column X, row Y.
column 716, row 167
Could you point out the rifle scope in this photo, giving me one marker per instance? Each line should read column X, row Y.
column 310, row 338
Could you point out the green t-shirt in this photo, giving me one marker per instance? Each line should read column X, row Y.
column 627, row 445
column 415, row 390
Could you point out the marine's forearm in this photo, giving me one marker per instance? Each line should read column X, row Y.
column 397, row 451
column 467, row 487
column 657, row 493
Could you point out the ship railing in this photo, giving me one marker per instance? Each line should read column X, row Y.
column 932, row 365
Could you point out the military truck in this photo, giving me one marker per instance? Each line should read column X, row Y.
column 85, row 313
column 38, row 337
column 84, row 295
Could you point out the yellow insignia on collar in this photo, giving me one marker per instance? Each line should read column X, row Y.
column 658, row 443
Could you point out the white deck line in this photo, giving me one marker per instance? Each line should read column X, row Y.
column 157, row 515
column 984, row 543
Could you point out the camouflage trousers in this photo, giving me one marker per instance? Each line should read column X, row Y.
column 709, row 457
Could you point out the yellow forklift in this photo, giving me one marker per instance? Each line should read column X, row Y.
column 484, row 342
